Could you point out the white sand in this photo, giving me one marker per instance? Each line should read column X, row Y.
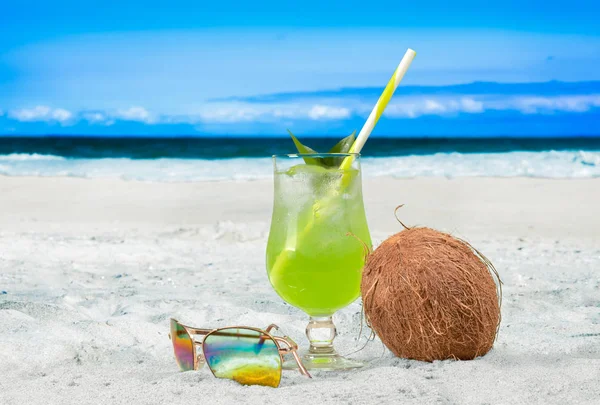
column 93, row 269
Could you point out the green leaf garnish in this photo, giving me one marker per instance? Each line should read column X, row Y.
column 342, row 146
column 305, row 149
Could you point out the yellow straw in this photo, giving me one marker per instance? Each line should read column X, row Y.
column 382, row 103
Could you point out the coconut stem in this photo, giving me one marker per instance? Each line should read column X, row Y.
column 398, row 219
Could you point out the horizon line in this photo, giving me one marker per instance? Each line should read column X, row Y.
column 285, row 136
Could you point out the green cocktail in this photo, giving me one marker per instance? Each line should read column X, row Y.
column 317, row 243
column 319, row 235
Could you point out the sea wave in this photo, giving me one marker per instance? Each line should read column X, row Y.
column 20, row 157
column 552, row 164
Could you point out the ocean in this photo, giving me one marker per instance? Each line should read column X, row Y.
column 249, row 158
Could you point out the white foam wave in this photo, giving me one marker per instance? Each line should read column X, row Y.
column 553, row 164
column 28, row 156
column 169, row 170
column 564, row 164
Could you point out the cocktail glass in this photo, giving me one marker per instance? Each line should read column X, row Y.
column 317, row 245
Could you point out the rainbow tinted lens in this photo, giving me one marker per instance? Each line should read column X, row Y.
column 247, row 356
column 183, row 345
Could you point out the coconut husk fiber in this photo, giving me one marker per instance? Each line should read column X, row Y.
column 430, row 296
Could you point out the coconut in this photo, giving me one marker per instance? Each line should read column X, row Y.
column 430, row 296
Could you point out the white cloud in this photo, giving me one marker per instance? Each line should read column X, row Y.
column 96, row 117
column 263, row 112
column 320, row 109
column 319, row 112
column 536, row 105
column 415, row 107
column 135, row 114
column 230, row 112
column 471, row 106
column 61, row 115
column 41, row 113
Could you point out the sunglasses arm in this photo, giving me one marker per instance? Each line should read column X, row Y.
column 196, row 331
column 303, row 369
column 291, row 347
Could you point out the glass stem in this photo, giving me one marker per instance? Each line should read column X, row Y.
column 321, row 332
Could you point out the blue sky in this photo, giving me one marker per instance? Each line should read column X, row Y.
column 190, row 68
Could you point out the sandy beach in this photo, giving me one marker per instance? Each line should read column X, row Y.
column 92, row 270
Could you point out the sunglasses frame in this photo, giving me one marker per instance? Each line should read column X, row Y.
column 291, row 347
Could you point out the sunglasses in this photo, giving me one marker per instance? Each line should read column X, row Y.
column 247, row 355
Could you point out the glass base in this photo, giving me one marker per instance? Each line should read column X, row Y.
column 321, row 354
column 323, row 362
